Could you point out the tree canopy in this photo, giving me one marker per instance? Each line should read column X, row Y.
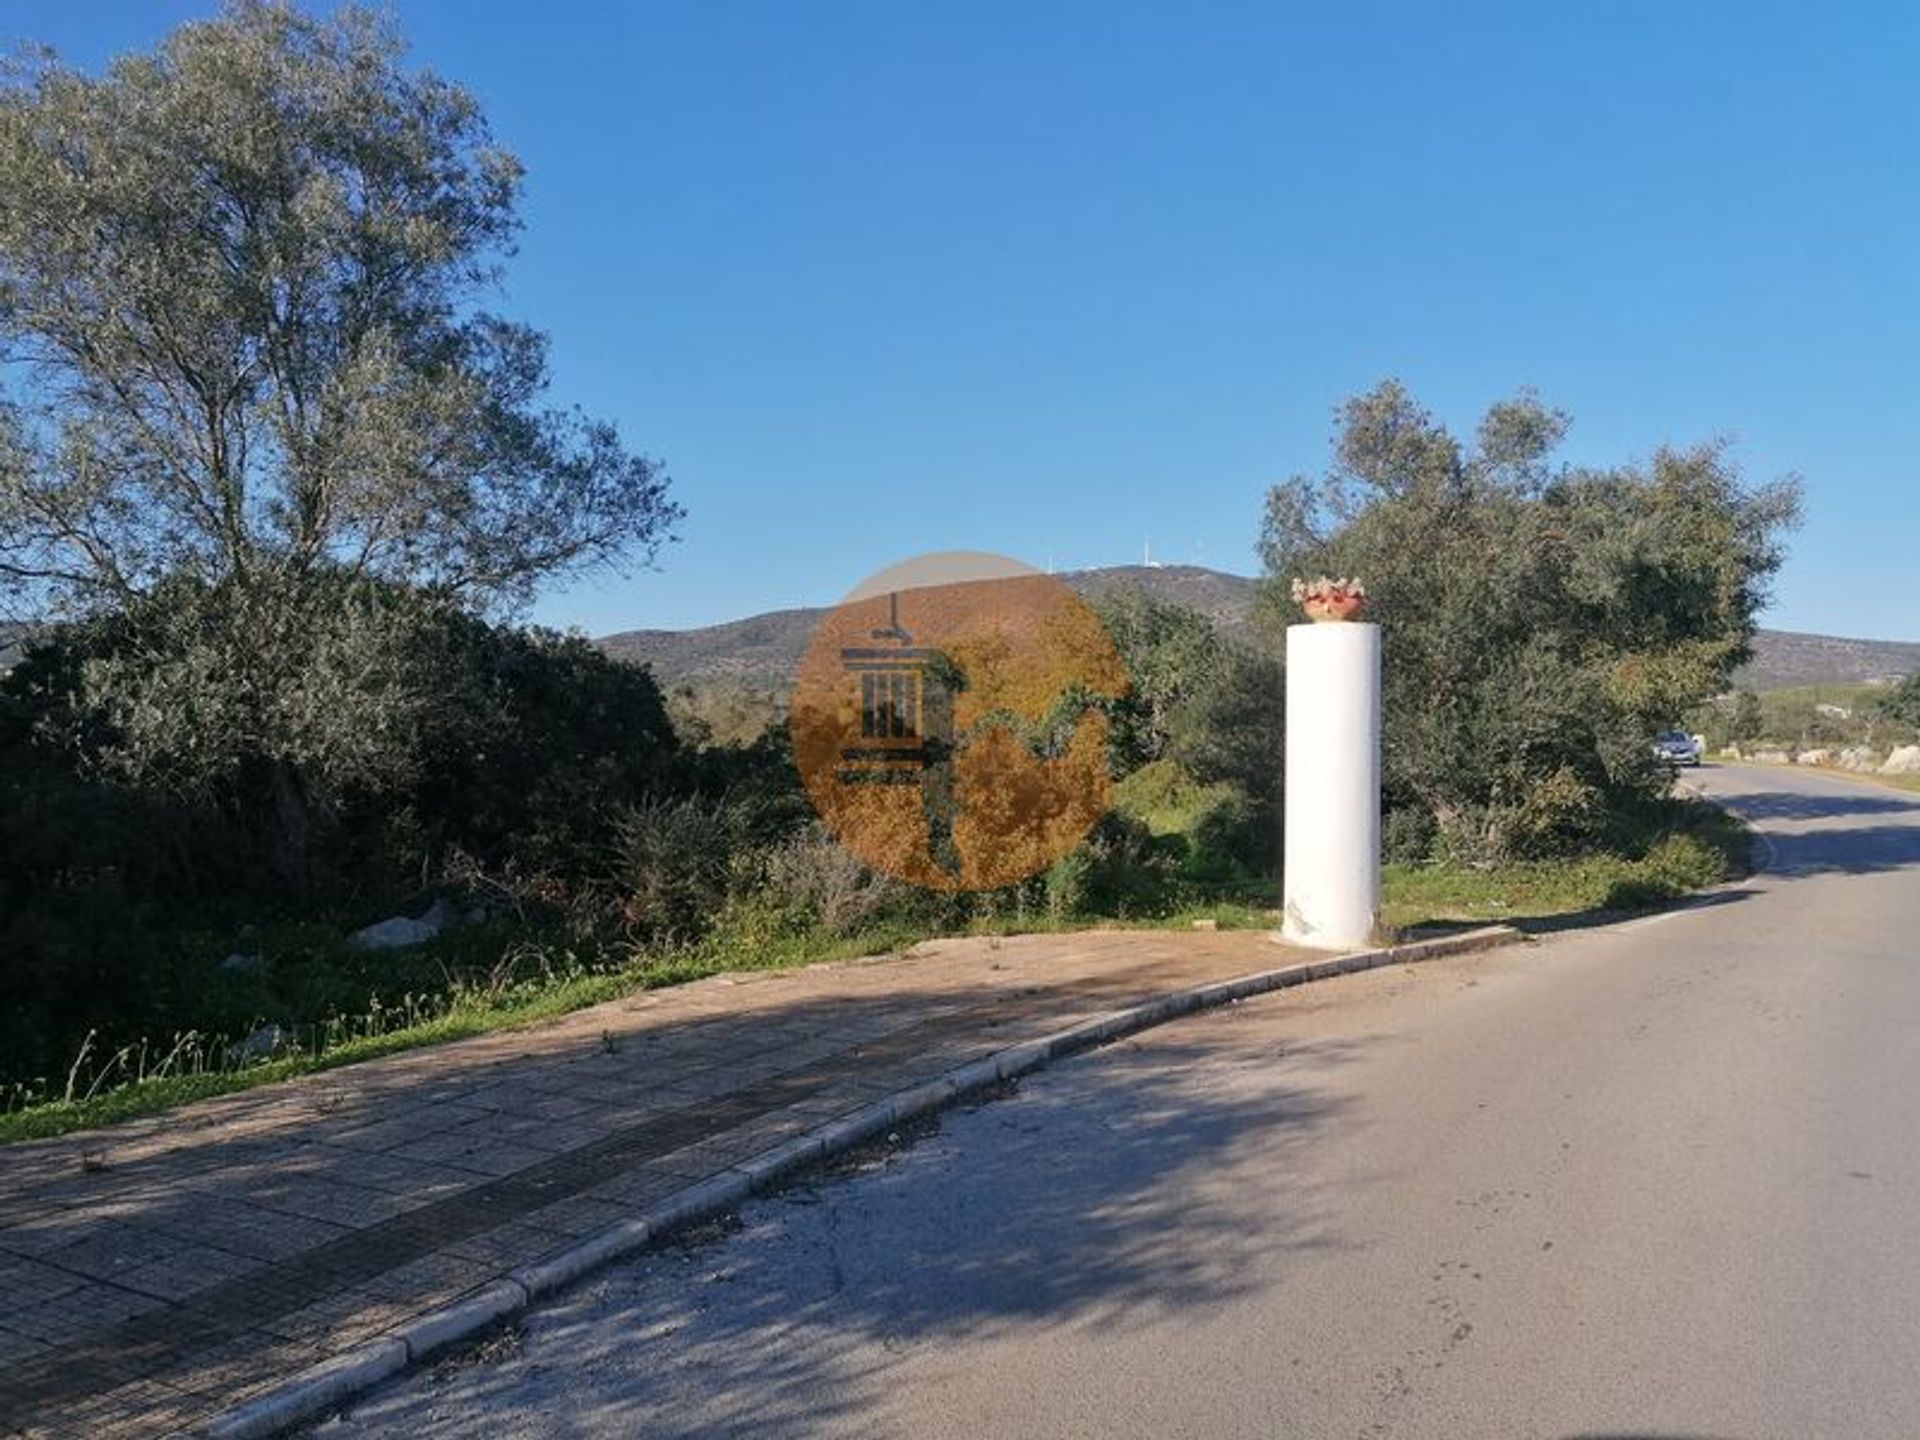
column 1902, row 703
column 243, row 333
column 1541, row 621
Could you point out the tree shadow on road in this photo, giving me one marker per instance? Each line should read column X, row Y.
column 1120, row 1194
column 1797, row 805
column 1833, row 849
column 1867, row 850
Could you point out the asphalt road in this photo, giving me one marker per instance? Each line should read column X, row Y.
column 1656, row 1179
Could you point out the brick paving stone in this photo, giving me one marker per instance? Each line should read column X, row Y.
column 186, row 1272
column 579, row 1216
column 28, row 1282
column 266, row 1235
column 310, row 1322
column 80, row 1315
column 200, row 1257
column 370, row 1318
column 219, row 1377
column 412, row 1180
column 430, row 1275
column 514, row 1243
column 40, row 1236
column 143, row 1402
column 18, row 1349
column 113, row 1249
column 634, row 1190
column 308, row 1197
column 474, row 1150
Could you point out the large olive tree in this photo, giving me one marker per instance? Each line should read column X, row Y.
column 259, row 434
column 240, row 304
column 1541, row 621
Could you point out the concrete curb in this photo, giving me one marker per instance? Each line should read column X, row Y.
column 308, row 1394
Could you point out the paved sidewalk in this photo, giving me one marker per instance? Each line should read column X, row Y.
column 154, row 1274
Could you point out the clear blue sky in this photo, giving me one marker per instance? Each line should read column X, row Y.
column 1049, row 279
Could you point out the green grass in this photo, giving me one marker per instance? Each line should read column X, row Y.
column 526, row 1002
column 1697, row 846
column 1805, row 697
column 1684, row 848
column 466, row 1014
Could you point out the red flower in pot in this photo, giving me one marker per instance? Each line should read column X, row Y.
column 1328, row 599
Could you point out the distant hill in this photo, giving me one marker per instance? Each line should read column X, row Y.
column 1784, row 657
column 762, row 651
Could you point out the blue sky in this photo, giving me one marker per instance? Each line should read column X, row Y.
column 1053, row 279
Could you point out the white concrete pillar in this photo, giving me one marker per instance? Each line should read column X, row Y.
column 1331, row 895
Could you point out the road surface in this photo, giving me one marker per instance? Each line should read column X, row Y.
column 1656, row 1179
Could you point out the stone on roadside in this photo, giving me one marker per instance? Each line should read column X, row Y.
column 400, row 931
column 1771, row 757
column 1814, row 757
column 1903, row 761
column 1858, row 757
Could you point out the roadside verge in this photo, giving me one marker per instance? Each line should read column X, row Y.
column 311, row 1393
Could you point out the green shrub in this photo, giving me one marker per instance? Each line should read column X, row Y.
column 1235, row 838
column 1409, row 836
column 1560, row 815
column 821, row 880
column 675, row 864
column 1678, row 865
column 1067, row 884
column 1129, row 871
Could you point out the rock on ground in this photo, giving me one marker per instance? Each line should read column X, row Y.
column 401, row 931
column 1903, row 761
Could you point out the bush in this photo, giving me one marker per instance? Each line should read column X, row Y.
column 1067, row 884
column 1678, row 865
column 1562, row 815
column 1409, row 836
column 552, row 742
column 1232, row 730
column 205, row 761
column 675, row 864
column 344, row 736
column 1235, row 839
column 1127, row 870
column 827, row 884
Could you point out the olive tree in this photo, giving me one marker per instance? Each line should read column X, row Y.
column 1902, row 703
column 1541, row 621
column 240, row 308
column 261, row 438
